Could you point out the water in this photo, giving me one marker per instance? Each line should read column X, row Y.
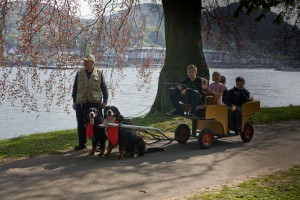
column 272, row 88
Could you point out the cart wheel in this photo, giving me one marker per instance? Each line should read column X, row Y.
column 182, row 133
column 205, row 139
column 248, row 133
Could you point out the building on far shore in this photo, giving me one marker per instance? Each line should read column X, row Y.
column 155, row 56
column 216, row 57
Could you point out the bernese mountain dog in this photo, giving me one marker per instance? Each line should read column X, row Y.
column 94, row 131
column 127, row 139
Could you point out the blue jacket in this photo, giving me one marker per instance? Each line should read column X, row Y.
column 237, row 97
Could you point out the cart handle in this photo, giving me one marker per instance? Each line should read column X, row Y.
column 134, row 127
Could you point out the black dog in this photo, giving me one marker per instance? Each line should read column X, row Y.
column 94, row 117
column 128, row 139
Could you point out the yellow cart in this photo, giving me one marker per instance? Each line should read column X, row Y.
column 214, row 124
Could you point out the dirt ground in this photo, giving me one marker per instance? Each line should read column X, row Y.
column 177, row 172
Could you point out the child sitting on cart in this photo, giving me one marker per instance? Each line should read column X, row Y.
column 223, row 81
column 189, row 91
column 234, row 100
column 217, row 87
column 205, row 87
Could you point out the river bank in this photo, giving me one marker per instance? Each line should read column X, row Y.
column 134, row 98
column 61, row 141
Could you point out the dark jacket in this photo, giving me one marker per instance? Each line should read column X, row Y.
column 193, row 85
column 224, row 94
column 237, row 97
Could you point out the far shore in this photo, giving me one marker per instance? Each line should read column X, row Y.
column 281, row 67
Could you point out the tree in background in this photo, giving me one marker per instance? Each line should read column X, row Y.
column 50, row 31
column 288, row 12
column 183, row 46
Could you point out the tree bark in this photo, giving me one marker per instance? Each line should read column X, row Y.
column 3, row 11
column 183, row 47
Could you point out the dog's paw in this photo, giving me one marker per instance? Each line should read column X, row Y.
column 91, row 153
column 106, row 156
column 100, row 155
column 120, row 157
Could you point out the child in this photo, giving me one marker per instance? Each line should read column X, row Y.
column 205, row 85
column 217, row 87
column 223, row 81
column 191, row 88
column 234, row 100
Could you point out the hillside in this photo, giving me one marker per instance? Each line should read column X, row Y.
column 257, row 38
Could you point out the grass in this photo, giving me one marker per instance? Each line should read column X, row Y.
column 60, row 141
column 282, row 185
column 37, row 144
column 276, row 114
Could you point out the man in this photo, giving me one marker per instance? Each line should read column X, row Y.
column 89, row 91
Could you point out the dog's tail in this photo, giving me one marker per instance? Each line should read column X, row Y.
column 141, row 146
column 154, row 149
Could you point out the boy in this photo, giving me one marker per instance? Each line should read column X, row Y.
column 234, row 100
column 190, row 88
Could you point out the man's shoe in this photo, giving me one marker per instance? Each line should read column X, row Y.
column 192, row 114
column 79, row 147
column 175, row 112
column 237, row 132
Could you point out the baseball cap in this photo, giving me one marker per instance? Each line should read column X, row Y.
column 89, row 57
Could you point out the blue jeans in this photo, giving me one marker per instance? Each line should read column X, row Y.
column 81, row 115
column 235, row 118
column 192, row 97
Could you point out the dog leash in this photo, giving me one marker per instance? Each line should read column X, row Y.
column 139, row 112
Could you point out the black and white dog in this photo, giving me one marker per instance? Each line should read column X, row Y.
column 127, row 139
column 93, row 119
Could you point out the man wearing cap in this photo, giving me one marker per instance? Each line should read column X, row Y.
column 89, row 91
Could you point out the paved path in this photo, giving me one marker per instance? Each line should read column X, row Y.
column 178, row 171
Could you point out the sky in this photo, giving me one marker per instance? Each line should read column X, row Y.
column 86, row 11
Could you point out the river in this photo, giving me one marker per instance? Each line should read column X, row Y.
column 272, row 88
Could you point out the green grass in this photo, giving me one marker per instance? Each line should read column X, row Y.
column 276, row 114
column 282, row 185
column 60, row 141
column 38, row 144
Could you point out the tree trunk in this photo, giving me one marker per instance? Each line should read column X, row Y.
column 183, row 47
column 3, row 12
